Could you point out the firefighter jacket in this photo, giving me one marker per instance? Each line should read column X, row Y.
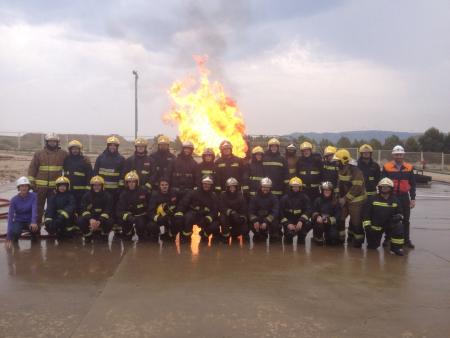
column 275, row 167
column 182, row 173
column 203, row 203
column 263, row 206
column 160, row 160
column 372, row 172
column 351, row 184
column 97, row 205
column 46, row 166
column 232, row 203
column 110, row 166
column 379, row 212
column 403, row 178
column 295, row 207
column 60, row 204
column 291, row 161
column 327, row 208
column 253, row 175
column 226, row 167
column 205, row 169
column 309, row 169
column 78, row 169
column 162, row 204
column 330, row 173
column 132, row 203
column 142, row 165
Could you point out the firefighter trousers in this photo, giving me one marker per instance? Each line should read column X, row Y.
column 374, row 233
column 355, row 231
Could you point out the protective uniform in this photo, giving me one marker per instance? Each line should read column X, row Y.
column 264, row 208
column 59, row 215
column 275, row 167
column 309, row 169
column 45, row 167
column 161, row 160
column 328, row 208
column 206, row 168
column 228, row 166
column 141, row 164
column 370, row 169
column 78, row 169
column 330, row 168
column 233, row 211
column 182, row 172
column 291, row 160
column 96, row 206
column 295, row 207
column 162, row 208
column 384, row 214
column 255, row 172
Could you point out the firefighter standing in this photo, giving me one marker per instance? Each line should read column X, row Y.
column 370, row 169
column 45, row 167
column 140, row 163
column 291, row 159
column 183, row 169
column 161, row 159
column 402, row 174
column 60, row 212
column 275, row 167
column 264, row 212
column 309, row 169
column 330, row 168
column 295, row 212
column 352, row 195
column 383, row 213
column 96, row 211
column 78, row 169
column 206, row 167
column 228, row 165
column 255, row 171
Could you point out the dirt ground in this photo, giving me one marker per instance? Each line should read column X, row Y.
column 13, row 165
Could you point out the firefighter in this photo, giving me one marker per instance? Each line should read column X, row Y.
column 96, row 211
column 45, row 167
column 352, row 195
column 263, row 213
column 255, row 171
column 370, row 169
column 326, row 214
column 183, row 169
column 291, row 159
column 132, row 209
column 228, row 165
column 309, row 169
column 383, row 213
column 233, row 211
column 295, row 212
column 402, row 174
column 162, row 208
column 200, row 207
column 330, row 168
column 161, row 159
column 206, row 167
column 140, row 162
column 275, row 168
column 60, row 212
column 78, row 169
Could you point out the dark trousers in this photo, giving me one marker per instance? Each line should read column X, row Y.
column 405, row 204
column 355, row 228
column 331, row 233
column 394, row 231
column 78, row 195
column 104, row 229
column 61, row 227
column 43, row 194
column 207, row 227
column 273, row 228
column 140, row 224
column 17, row 228
column 234, row 225
column 172, row 227
column 302, row 233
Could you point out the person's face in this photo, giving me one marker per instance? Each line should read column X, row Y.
column 259, row 157
column 164, row 186
column 62, row 188
column 306, row 152
column 327, row 193
column 208, row 158
column 163, row 146
column 232, row 188
column 273, row 148
column 265, row 190
column 97, row 187
column 226, row 151
column 366, row 155
column 75, row 151
column 328, row 158
column 140, row 149
column 206, row 186
column 23, row 189
column 295, row 188
column 52, row 143
column 187, row 151
column 385, row 190
column 398, row 157
column 112, row 148
column 132, row 185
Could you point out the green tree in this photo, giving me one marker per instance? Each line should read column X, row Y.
column 392, row 141
column 432, row 140
column 325, row 143
column 344, row 142
column 411, row 144
column 303, row 138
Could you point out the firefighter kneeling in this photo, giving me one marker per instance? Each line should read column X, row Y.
column 382, row 213
column 59, row 216
column 96, row 210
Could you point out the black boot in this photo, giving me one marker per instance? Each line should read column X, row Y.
column 409, row 244
column 396, row 251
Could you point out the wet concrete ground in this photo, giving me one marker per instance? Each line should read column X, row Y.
column 52, row 289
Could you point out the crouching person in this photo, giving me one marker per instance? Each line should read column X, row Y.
column 59, row 215
column 96, row 211
column 264, row 212
column 295, row 211
column 325, row 217
column 132, row 209
column 382, row 213
column 22, row 215
column 233, row 211
column 200, row 207
column 162, row 207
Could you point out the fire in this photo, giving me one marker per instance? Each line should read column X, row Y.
column 205, row 115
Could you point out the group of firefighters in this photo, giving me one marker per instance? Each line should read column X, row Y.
column 160, row 195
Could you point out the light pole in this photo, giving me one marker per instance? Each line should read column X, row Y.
column 136, row 77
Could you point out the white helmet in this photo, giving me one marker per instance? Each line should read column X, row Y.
column 51, row 137
column 207, row 180
column 398, row 150
column 266, row 182
column 187, row 144
column 231, row 181
column 22, row 181
column 386, row 182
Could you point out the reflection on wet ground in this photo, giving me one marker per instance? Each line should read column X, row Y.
column 170, row 290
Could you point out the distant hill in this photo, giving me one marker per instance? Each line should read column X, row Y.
column 380, row 135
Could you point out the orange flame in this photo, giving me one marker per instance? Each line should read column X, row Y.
column 205, row 115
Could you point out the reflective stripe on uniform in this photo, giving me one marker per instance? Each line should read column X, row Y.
column 277, row 192
column 50, row 168
column 371, row 193
column 269, row 163
column 79, row 187
column 399, row 241
column 384, row 204
column 64, row 213
column 357, row 182
column 366, row 223
column 105, row 172
column 345, row 178
column 78, row 173
column 376, row 228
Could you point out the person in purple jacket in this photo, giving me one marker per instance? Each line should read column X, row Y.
column 22, row 212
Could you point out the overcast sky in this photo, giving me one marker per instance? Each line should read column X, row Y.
column 292, row 65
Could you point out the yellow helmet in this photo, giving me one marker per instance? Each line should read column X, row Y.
column 62, row 180
column 306, row 145
column 113, row 140
column 258, row 150
column 132, row 176
column 295, row 182
column 343, row 156
column 366, row 148
column 329, row 150
column 273, row 142
column 162, row 139
column 74, row 143
column 97, row 180
column 140, row 141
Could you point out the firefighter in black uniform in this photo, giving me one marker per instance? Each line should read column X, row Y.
column 264, row 212
column 383, row 213
column 295, row 212
column 309, row 169
column 291, row 159
column 140, row 163
column 330, row 168
column 60, row 213
column 162, row 208
column 228, row 165
column 370, row 169
column 275, row 168
column 96, row 211
column 78, row 169
column 206, row 167
column 161, row 160
column 183, row 170
column 254, row 172
column 200, row 207
column 233, row 211
column 326, row 213
column 132, row 210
